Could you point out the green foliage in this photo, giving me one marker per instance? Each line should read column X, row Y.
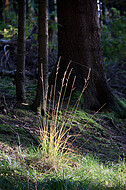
column 75, row 96
column 9, row 31
column 53, row 24
column 24, row 170
column 8, row 27
column 31, row 22
column 9, row 134
column 114, row 39
column 7, row 86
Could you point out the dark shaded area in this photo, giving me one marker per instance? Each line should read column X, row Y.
column 9, row 182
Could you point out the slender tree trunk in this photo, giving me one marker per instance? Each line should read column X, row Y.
column 52, row 19
column 20, row 75
column 79, row 40
column 42, row 89
column 1, row 10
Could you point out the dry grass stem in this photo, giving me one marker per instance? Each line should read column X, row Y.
column 55, row 135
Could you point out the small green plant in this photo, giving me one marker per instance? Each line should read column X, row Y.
column 9, row 32
column 9, row 26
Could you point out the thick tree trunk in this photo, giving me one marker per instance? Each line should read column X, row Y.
column 42, row 89
column 20, row 75
column 79, row 40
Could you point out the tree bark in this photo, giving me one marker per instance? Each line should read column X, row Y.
column 42, row 89
column 79, row 40
column 20, row 75
column 1, row 10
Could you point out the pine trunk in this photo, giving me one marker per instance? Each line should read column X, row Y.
column 79, row 40
column 42, row 90
column 20, row 75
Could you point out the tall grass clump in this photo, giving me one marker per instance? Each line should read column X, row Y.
column 54, row 131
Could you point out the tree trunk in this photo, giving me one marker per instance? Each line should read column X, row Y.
column 1, row 10
column 42, row 89
column 79, row 40
column 52, row 20
column 20, row 75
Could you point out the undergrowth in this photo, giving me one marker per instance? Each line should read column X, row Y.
column 28, row 170
column 54, row 129
column 25, row 167
column 54, row 164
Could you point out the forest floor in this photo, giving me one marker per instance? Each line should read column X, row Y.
column 101, row 135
